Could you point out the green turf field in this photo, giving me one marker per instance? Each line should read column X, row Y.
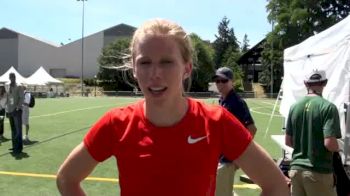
column 57, row 125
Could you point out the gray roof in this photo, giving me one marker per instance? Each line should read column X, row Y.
column 117, row 30
column 6, row 33
column 120, row 30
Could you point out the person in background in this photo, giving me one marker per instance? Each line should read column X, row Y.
column 25, row 112
column 14, row 110
column 3, row 98
column 51, row 94
column 230, row 100
column 166, row 143
column 312, row 129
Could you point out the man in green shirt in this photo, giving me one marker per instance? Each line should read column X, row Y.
column 312, row 130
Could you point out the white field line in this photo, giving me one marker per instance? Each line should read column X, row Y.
column 268, row 103
column 81, row 109
column 259, row 102
column 76, row 110
column 263, row 113
column 67, row 111
column 253, row 109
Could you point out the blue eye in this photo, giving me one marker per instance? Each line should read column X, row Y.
column 166, row 62
column 145, row 62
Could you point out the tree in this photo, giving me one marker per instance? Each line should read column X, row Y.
column 294, row 21
column 227, row 51
column 203, row 64
column 230, row 60
column 245, row 44
column 114, row 55
column 224, row 40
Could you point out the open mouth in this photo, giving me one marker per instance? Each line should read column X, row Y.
column 157, row 90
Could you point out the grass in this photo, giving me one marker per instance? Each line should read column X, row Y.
column 58, row 125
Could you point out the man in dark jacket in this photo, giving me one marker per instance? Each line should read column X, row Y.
column 232, row 102
column 14, row 110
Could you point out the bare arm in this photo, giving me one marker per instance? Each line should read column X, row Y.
column 252, row 129
column 77, row 166
column 258, row 165
column 25, row 96
column 331, row 144
column 289, row 141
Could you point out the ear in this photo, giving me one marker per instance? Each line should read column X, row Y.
column 187, row 71
column 185, row 76
column 133, row 70
column 134, row 73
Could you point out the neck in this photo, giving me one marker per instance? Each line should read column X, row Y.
column 314, row 92
column 165, row 114
column 225, row 93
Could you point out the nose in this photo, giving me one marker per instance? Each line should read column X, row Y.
column 156, row 71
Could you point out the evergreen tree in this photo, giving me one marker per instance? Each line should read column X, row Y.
column 203, row 64
column 231, row 56
column 224, row 40
column 245, row 44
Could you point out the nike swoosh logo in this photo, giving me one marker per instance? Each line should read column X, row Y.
column 191, row 140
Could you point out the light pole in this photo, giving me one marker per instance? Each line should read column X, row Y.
column 95, row 83
column 272, row 62
column 82, row 49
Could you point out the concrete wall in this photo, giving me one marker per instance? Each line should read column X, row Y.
column 93, row 49
column 8, row 54
column 33, row 53
column 27, row 54
column 71, row 56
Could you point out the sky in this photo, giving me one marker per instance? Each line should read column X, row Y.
column 60, row 21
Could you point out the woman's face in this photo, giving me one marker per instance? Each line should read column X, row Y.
column 159, row 67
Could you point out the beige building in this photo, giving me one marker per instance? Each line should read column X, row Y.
column 27, row 54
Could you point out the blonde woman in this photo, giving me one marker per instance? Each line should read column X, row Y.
column 167, row 144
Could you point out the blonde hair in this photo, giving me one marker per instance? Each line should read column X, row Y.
column 161, row 27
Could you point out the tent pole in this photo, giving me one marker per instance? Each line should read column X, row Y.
column 347, row 130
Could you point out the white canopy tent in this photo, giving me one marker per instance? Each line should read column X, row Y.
column 41, row 77
column 329, row 51
column 4, row 78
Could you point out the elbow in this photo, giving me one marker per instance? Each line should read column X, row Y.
column 332, row 148
column 61, row 182
column 64, row 185
column 331, row 144
column 68, row 185
column 280, row 188
column 288, row 141
column 277, row 190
